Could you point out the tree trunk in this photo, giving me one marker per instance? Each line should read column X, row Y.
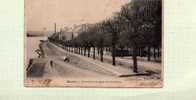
column 101, row 50
column 135, row 69
column 113, row 54
column 84, row 51
column 140, row 51
column 101, row 54
column 93, row 52
column 89, row 50
column 98, row 50
column 114, row 39
column 149, row 53
column 79, row 50
column 121, row 52
column 158, row 52
column 154, row 52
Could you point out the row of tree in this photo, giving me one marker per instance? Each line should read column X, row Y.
column 136, row 26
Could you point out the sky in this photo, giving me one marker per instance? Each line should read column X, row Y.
column 42, row 14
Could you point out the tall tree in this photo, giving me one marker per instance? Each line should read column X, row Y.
column 138, row 13
column 113, row 26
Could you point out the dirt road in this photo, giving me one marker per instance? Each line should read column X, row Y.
column 82, row 69
column 76, row 68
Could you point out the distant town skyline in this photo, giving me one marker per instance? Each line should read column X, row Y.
column 40, row 15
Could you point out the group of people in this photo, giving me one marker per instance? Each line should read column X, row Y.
column 40, row 54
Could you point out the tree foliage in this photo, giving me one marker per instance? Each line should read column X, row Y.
column 137, row 25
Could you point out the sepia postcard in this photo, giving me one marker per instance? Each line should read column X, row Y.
column 93, row 43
